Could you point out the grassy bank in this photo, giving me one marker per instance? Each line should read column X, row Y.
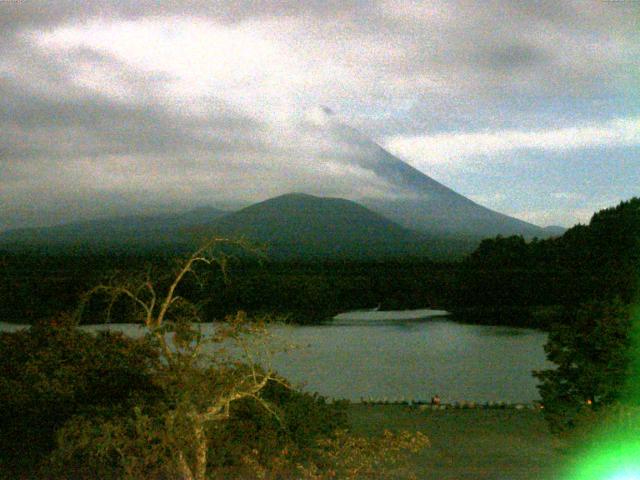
column 469, row 444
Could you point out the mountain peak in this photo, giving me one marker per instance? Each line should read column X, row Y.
column 301, row 225
column 403, row 193
column 320, row 116
column 327, row 110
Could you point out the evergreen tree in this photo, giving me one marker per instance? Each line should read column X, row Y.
column 591, row 353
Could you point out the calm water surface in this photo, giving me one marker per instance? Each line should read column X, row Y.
column 410, row 360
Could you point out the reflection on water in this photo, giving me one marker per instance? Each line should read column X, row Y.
column 506, row 332
column 415, row 360
column 410, row 360
column 359, row 317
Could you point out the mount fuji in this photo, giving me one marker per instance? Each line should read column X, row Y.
column 383, row 207
column 417, row 201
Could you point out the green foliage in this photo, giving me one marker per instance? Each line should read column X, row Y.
column 142, row 444
column 111, row 447
column 166, row 407
column 314, row 292
column 598, row 261
column 103, row 407
column 35, row 288
column 52, row 372
column 302, row 419
column 591, row 353
column 351, row 457
column 610, row 243
column 501, row 252
column 201, row 387
column 343, row 455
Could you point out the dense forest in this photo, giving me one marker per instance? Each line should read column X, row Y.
column 505, row 280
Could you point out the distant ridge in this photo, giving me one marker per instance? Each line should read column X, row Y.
column 301, row 225
column 292, row 226
column 555, row 230
column 361, row 169
column 114, row 232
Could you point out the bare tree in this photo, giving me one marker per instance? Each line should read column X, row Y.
column 202, row 376
column 204, row 383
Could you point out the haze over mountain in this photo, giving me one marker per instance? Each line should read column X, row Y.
column 403, row 193
column 339, row 161
column 116, row 232
column 405, row 208
column 107, row 109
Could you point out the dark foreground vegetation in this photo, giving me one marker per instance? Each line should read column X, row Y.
column 84, row 406
column 172, row 405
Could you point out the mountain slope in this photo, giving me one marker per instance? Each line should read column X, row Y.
column 138, row 231
column 416, row 200
column 300, row 225
column 291, row 226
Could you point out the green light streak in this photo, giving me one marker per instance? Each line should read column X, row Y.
column 616, row 459
column 613, row 453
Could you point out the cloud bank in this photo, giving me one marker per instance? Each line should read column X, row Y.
column 455, row 148
column 113, row 107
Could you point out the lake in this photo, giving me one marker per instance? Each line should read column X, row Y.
column 406, row 359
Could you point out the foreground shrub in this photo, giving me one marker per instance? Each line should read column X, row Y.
column 52, row 372
column 297, row 421
column 182, row 405
column 148, row 442
column 352, row 457
column 591, row 350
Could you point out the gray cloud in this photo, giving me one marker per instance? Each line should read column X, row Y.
column 511, row 56
column 92, row 126
column 82, row 122
column 488, row 47
column 39, row 14
column 43, row 114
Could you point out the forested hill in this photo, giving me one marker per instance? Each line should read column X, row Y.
column 597, row 260
column 505, row 280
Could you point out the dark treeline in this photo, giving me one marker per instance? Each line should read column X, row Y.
column 312, row 292
column 36, row 287
column 598, row 261
column 505, row 280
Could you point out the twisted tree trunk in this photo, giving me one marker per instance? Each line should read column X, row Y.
column 185, row 470
column 200, row 451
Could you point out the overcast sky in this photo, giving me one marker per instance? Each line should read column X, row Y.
column 529, row 108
